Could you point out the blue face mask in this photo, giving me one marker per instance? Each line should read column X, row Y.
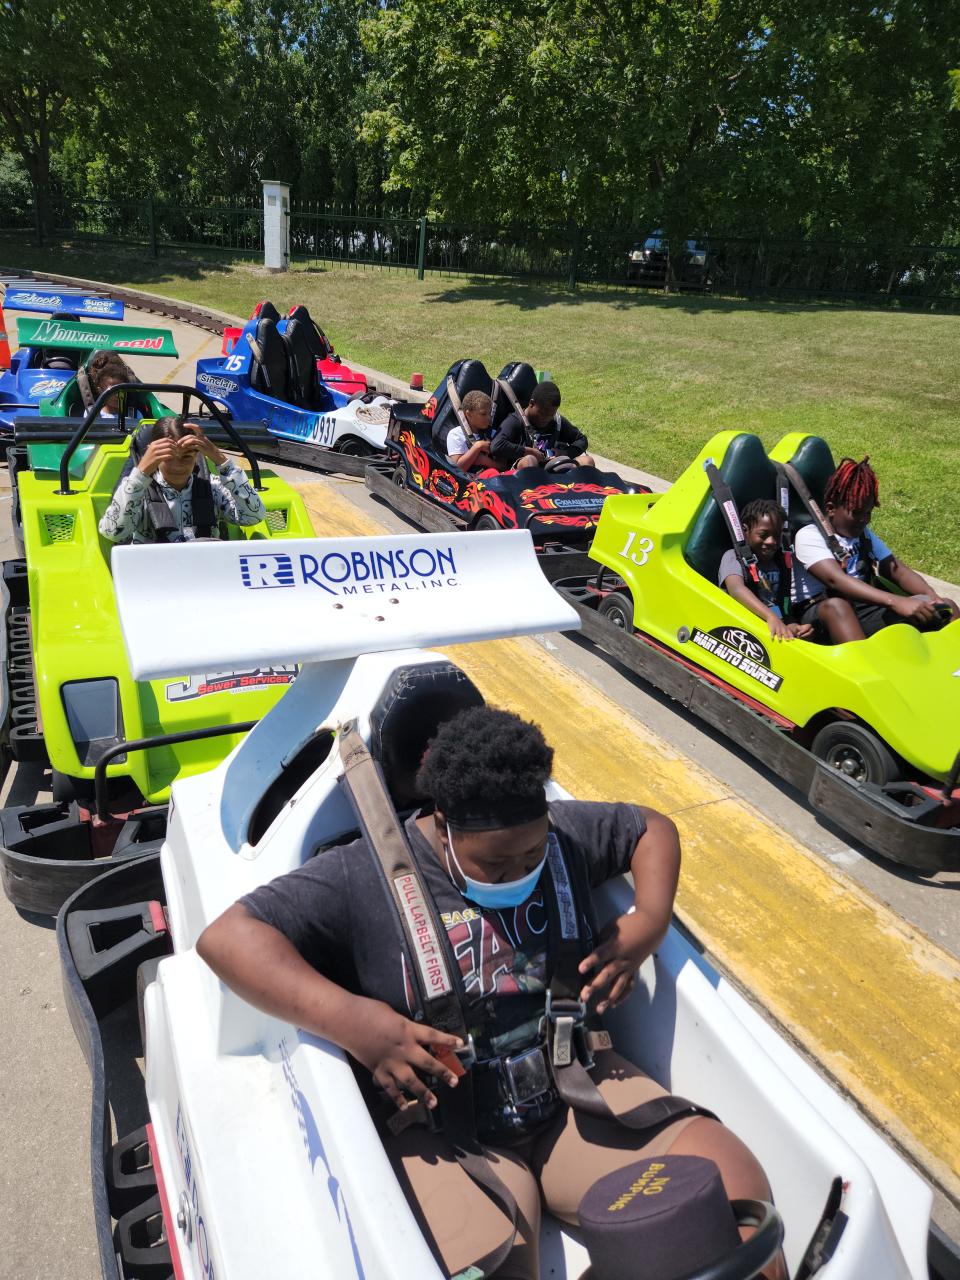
column 508, row 893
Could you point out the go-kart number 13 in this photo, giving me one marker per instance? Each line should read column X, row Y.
column 644, row 546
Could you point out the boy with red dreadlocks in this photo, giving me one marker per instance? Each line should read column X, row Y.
column 834, row 578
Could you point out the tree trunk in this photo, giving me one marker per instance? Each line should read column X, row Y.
column 34, row 149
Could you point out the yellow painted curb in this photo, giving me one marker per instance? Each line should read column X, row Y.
column 868, row 996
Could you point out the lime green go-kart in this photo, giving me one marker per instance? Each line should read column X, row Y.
column 114, row 745
column 869, row 731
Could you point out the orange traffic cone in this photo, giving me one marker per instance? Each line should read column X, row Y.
column 4, row 344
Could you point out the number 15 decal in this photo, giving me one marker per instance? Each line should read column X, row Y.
column 644, row 546
column 234, row 364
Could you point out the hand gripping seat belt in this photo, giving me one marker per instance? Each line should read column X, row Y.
column 431, row 966
column 566, row 1015
column 723, row 496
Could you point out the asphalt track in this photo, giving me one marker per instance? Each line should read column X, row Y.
column 856, row 961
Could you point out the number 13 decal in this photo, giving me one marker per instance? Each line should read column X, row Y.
column 644, row 546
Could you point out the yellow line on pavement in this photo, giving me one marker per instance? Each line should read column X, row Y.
column 208, row 339
column 870, row 997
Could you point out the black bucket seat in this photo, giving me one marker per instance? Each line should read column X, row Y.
column 320, row 344
column 268, row 370
column 305, row 388
column 521, row 378
column 467, row 375
column 414, row 703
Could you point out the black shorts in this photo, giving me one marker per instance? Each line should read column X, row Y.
column 872, row 617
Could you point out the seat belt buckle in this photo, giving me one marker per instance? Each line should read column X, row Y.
column 459, row 1061
column 566, row 1016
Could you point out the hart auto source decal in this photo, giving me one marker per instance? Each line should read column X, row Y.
column 229, row 682
column 740, row 650
column 353, row 573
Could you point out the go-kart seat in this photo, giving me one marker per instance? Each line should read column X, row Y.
column 412, row 706
column 50, row 358
column 467, row 375
column 268, row 368
column 815, row 463
column 319, row 343
column 305, row 388
column 266, row 311
column 750, row 474
column 521, row 379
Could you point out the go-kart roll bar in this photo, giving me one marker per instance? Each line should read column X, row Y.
column 145, row 744
column 91, row 415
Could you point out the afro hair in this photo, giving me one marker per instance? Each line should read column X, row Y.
column 484, row 760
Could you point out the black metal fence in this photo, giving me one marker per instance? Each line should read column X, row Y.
column 737, row 266
column 157, row 226
column 384, row 239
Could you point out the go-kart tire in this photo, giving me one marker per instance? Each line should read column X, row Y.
column 487, row 521
column 399, row 477
column 856, row 752
column 617, row 607
column 354, row 448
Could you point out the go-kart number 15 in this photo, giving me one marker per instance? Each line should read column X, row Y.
column 644, row 546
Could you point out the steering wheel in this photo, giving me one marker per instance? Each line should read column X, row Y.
column 750, row 1256
column 559, row 463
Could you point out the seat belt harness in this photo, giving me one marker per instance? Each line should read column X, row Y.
column 431, row 969
column 723, row 496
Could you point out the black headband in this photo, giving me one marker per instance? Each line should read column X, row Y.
column 497, row 812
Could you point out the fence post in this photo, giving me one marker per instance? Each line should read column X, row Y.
column 422, row 249
column 276, row 225
column 574, row 260
column 152, row 227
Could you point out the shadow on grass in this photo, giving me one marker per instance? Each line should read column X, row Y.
column 525, row 296
column 129, row 264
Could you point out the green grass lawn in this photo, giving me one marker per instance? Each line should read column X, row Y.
column 648, row 378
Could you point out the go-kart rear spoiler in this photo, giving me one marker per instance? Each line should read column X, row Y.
column 321, row 599
column 74, row 335
column 50, row 301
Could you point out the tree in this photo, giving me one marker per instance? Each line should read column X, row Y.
column 795, row 117
column 109, row 69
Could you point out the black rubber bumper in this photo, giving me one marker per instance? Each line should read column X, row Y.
column 47, row 851
column 862, row 812
column 95, row 983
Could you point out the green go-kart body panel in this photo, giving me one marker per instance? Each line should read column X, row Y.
column 902, row 683
column 76, row 632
